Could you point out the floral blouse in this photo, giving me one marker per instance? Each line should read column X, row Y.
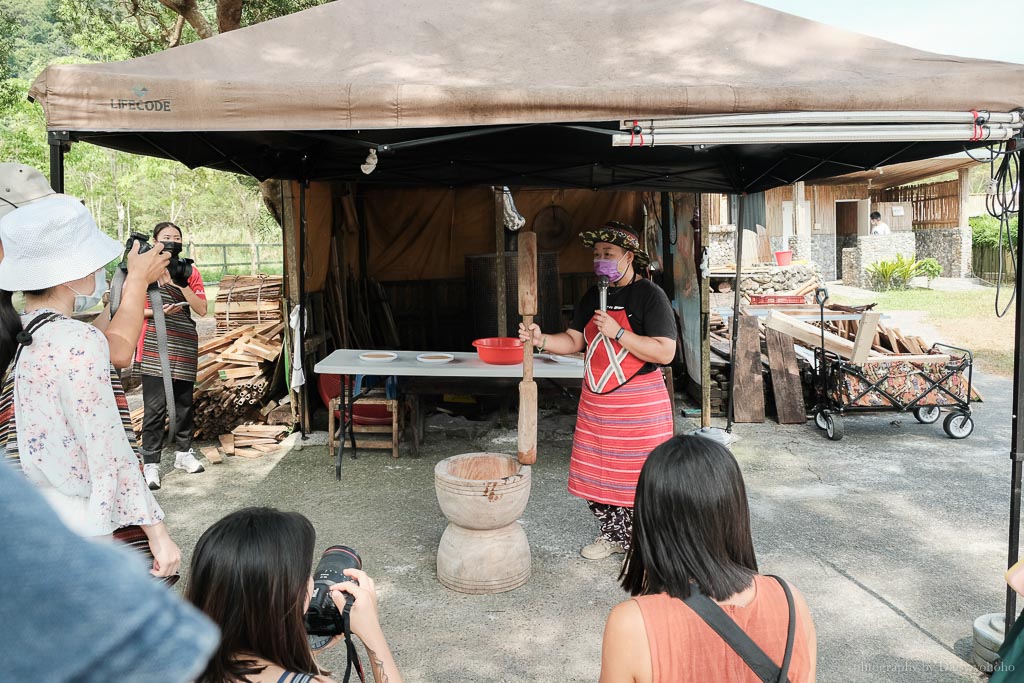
column 71, row 439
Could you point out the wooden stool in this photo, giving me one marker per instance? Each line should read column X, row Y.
column 378, row 440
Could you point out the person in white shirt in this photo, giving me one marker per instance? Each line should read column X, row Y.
column 63, row 413
column 877, row 226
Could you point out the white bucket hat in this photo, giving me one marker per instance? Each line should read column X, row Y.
column 21, row 185
column 50, row 242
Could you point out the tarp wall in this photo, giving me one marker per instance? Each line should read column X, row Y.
column 424, row 234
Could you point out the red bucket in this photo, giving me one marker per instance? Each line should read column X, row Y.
column 499, row 350
column 783, row 258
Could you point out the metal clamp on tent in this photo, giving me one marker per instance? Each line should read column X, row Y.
column 821, row 127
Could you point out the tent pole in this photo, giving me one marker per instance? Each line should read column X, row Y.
column 735, row 311
column 59, row 141
column 303, row 394
column 667, row 223
column 699, row 250
column 1016, row 435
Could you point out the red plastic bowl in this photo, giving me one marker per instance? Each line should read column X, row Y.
column 499, row 350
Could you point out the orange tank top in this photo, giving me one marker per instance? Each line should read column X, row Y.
column 684, row 649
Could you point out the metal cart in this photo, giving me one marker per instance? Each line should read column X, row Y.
column 924, row 388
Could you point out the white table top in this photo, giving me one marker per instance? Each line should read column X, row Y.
column 465, row 364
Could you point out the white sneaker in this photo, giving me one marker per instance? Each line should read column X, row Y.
column 600, row 549
column 186, row 460
column 151, row 470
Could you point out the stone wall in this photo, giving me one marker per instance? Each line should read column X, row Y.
column 871, row 249
column 722, row 246
column 950, row 247
column 823, row 252
column 777, row 279
column 800, row 245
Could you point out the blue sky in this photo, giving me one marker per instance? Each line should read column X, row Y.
column 968, row 29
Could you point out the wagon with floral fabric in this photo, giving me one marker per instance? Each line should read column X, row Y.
column 926, row 385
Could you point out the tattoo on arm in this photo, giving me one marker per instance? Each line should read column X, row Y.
column 377, row 667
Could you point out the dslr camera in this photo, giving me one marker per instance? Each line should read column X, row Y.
column 323, row 619
column 180, row 269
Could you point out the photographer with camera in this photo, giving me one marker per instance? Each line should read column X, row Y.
column 182, row 292
column 63, row 414
column 20, row 185
column 252, row 574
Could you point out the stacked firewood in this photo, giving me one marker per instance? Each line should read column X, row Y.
column 235, row 372
column 251, row 440
column 248, row 300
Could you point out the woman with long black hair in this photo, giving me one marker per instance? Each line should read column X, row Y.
column 251, row 573
column 63, row 413
column 693, row 557
column 181, row 297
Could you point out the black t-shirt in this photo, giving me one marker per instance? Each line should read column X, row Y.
column 647, row 309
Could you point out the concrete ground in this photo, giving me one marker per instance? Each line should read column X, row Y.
column 896, row 535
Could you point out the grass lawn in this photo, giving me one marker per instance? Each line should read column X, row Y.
column 966, row 319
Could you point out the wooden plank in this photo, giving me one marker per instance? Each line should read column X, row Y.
column 747, row 385
column 789, row 396
column 247, row 306
column 227, row 442
column 222, row 341
column 266, row 448
column 865, row 334
column 212, row 454
column 260, row 429
column 248, row 453
column 809, row 334
column 239, row 373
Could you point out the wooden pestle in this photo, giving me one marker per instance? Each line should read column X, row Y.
column 527, row 388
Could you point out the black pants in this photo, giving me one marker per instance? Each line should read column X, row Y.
column 156, row 415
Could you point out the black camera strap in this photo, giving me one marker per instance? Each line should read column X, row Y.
column 156, row 303
column 759, row 662
column 353, row 655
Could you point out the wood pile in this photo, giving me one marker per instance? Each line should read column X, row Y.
column 235, row 371
column 775, row 355
column 244, row 300
column 252, row 440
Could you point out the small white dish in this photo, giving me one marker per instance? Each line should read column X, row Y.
column 437, row 358
column 378, row 356
column 565, row 360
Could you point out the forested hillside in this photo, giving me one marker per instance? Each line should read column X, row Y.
column 127, row 192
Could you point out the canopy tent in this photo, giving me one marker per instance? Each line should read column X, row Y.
column 447, row 94
column 522, row 94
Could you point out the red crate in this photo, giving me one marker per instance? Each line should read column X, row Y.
column 770, row 299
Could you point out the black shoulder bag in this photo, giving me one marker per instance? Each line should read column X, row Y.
column 722, row 624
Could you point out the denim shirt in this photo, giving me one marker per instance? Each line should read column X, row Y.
column 80, row 610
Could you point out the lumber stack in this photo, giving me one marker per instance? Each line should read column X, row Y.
column 244, row 300
column 252, row 440
column 785, row 351
column 235, row 371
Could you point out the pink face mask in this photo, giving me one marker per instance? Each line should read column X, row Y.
column 609, row 268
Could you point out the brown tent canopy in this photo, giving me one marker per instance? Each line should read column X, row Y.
column 307, row 95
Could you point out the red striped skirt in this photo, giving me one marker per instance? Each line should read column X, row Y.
column 614, row 434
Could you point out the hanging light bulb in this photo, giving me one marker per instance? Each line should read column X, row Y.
column 370, row 163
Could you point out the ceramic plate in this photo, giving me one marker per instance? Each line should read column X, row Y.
column 378, row 356
column 566, row 360
column 435, row 358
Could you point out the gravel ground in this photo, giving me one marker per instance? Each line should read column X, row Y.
column 896, row 535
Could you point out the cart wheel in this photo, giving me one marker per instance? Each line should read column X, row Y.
column 958, row 425
column 834, row 426
column 820, row 419
column 928, row 415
